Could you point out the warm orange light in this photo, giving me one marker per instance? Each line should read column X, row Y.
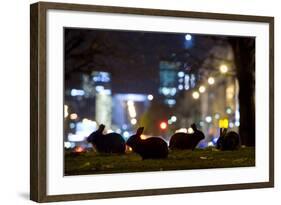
column 79, row 149
column 223, row 68
column 128, row 149
column 163, row 125
column 143, row 137
column 73, row 116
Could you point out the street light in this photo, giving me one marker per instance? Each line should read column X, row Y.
column 174, row 118
column 195, row 95
column 133, row 121
column 228, row 110
column 126, row 134
column 217, row 116
column 181, row 74
column 211, row 80
column 208, row 119
column 223, row 68
column 73, row 116
column 150, row 97
column 188, row 37
column 202, row 89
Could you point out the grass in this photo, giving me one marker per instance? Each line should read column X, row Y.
column 94, row 163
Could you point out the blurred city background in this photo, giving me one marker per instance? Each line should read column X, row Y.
column 162, row 81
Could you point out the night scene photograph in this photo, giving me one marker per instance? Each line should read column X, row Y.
column 139, row 101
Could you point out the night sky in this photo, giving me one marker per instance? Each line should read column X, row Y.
column 132, row 57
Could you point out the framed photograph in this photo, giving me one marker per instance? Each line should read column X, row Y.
column 135, row 102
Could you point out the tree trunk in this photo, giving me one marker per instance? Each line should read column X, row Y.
column 244, row 54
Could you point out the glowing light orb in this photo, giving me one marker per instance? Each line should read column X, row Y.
column 174, row 118
column 223, row 68
column 190, row 130
column 181, row 74
column 150, row 97
column 188, row 37
column 126, row 134
column 211, row 80
column 78, row 149
column 237, row 123
column 208, row 119
column 133, row 121
column 73, row 116
column 195, row 95
column 67, row 145
column 217, row 116
column 202, row 89
column 163, row 125
column 228, row 111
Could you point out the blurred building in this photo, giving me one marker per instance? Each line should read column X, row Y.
column 220, row 106
column 220, row 103
column 102, row 85
column 127, row 110
column 88, row 103
column 91, row 103
column 211, row 102
column 173, row 79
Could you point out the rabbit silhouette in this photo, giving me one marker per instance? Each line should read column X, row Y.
column 182, row 140
column 150, row 148
column 108, row 143
column 228, row 140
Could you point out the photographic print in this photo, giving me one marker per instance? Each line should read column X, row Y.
column 137, row 101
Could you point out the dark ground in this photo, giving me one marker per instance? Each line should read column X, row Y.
column 93, row 163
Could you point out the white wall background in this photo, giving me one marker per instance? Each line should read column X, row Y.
column 14, row 101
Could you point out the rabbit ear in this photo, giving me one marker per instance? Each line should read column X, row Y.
column 194, row 127
column 225, row 131
column 101, row 127
column 140, row 130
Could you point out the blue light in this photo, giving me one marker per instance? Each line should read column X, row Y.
column 99, row 88
column 131, row 96
column 214, row 140
column 173, row 91
column 72, row 125
column 171, row 101
column 181, row 74
column 192, row 80
column 186, row 81
column 124, row 127
column 67, row 145
column 75, row 92
column 126, row 134
column 101, row 77
column 165, row 91
column 188, row 37
column 180, row 87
